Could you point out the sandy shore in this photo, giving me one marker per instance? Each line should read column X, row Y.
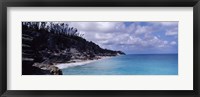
column 78, row 63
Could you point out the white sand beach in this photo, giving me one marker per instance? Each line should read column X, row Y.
column 78, row 63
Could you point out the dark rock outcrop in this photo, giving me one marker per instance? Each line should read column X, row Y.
column 46, row 69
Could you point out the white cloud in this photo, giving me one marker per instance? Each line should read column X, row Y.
column 169, row 23
column 142, row 29
column 103, row 27
column 117, row 35
column 131, row 28
column 102, row 36
column 173, row 43
column 171, row 33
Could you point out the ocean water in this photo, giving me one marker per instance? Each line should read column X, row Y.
column 133, row 64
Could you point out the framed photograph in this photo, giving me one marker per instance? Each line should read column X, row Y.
column 64, row 48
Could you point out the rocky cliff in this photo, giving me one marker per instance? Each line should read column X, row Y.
column 43, row 45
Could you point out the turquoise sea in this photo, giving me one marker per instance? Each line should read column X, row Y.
column 133, row 64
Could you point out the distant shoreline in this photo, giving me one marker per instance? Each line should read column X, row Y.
column 78, row 63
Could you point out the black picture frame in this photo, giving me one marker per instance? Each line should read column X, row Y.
column 100, row 3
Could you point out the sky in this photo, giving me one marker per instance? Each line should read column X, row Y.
column 132, row 37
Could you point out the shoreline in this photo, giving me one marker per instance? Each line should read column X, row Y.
column 78, row 63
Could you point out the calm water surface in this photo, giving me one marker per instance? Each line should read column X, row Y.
column 140, row 64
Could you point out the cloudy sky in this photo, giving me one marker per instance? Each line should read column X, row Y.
column 132, row 37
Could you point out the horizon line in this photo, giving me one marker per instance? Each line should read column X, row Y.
column 152, row 53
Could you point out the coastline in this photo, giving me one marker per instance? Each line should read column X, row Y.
column 78, row 63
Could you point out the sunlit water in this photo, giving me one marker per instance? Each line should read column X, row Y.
column 140, row 64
